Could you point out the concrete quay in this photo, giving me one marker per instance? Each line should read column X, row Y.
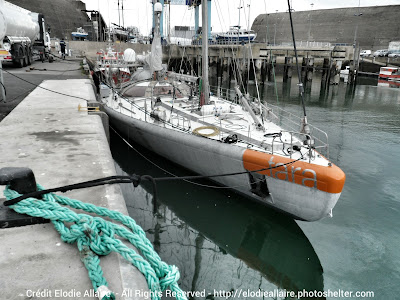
column 30, row 76
column 62, row 145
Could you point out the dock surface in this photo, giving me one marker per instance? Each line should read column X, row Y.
column 62, row 146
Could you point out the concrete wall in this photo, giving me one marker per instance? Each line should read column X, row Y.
column 63, row 16
column 90, row 48
column 377, row 26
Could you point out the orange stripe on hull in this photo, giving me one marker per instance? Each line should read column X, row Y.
column 326, row 179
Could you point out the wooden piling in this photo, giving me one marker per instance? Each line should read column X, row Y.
column 310, row 68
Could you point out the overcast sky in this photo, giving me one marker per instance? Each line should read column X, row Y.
column 224, row 13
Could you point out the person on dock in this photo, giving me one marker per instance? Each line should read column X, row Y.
column 63, row 45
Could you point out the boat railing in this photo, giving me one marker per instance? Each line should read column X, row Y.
column 180, row 122
column 308, row 44
column 224, row 93
column 293, row 124
column 224, row 42
column 290, row 147
column 186, row 123
column 284, row 119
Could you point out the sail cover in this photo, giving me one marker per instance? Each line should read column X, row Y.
column 156, row 54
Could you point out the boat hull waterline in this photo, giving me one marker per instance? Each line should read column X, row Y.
column 304, row 190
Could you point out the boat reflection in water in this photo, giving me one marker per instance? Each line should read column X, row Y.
column 218, row 241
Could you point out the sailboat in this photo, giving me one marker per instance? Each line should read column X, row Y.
column 251, row 147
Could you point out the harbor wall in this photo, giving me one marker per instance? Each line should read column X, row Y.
column 372, row 27
column 88, row 48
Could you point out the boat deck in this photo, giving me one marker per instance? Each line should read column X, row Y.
column 220, row 120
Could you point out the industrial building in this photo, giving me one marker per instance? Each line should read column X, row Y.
column 369, row 27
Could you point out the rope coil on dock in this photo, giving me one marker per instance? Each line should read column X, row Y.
column 95, row 236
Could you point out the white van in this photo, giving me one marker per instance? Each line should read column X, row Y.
column 365, row 53
column 381, row 53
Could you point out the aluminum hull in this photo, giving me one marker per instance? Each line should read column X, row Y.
column 208, row 157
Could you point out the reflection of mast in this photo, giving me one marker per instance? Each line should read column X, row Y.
column 204, row 59
column 197, row 259
column 157, row 239
column 157, row 227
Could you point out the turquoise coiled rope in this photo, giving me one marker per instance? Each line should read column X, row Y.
column 95, row 236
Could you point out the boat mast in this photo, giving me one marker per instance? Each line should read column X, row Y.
column 304, row 126
column 119, row 16
column 123, row 19
column 156, row 48
column 205, row 97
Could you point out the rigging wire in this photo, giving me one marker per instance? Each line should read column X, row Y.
column 270, row 54
column 229, row 12
column 136, row 180
column 235, row 64
column 252, row 60
column 184, row 50
column 186, row 179
column 142, row 109
column 236, row 69
column 301, row 88
column 247, row 53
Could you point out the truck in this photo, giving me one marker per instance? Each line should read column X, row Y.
column 23, row 35
column 394, row 49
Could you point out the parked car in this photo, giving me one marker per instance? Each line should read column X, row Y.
column 394, row 54
column 381, row 53
column 365, row 53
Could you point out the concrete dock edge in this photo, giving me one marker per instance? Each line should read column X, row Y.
column 62, row 145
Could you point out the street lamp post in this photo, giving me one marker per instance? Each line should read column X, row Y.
column 266, row 32
column 355, row 50
column 309, row 29
column 248, row 18
column 276, row 12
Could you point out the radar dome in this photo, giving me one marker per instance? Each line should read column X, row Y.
column 158, row 7
column 129, row 55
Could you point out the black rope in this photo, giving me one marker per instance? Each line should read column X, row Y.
column 65, row 60
column 134, row 179
column 101, row 181
column 36, row 69
column 77, row 97
column 5, row 91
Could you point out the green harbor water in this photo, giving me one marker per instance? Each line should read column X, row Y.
column 221, row 241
